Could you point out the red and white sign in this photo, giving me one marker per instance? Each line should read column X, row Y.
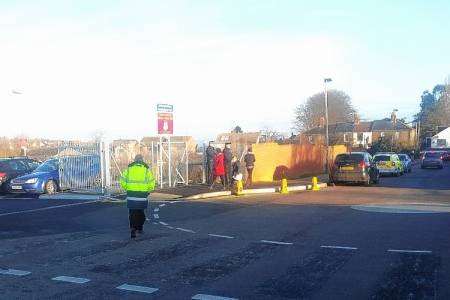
column 165, row 119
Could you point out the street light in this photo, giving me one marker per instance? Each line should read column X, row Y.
column 325, row 81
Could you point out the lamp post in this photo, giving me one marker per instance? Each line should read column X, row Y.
column 327, row 142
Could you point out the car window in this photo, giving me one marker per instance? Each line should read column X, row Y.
column 32, row 164
column 17, row 166
column 382, row 158
column 432, row 154
column 352, row 157
column 48, row 166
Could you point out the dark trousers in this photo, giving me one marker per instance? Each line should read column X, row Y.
column 249, row 181
column 209, row 172
column 137, row 219
column 228, row 174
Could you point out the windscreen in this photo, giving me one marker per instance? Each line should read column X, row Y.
column 432, row 155
column 381, row 158
column 349, row 158
column 48, row 166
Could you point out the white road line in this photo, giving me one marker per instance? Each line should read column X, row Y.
column 156, row 216
column 163, row 223
column 170, row 227
column 47, row 208
column 276, row 242
column 137, row 288
column 221, row 236
column 410, row 251
column 156, row 209
column 185, row 230
column 156, row 223
column 162, row 205
column 71, row 279
column 210, row 297
column 14, row 272
column 339, row 247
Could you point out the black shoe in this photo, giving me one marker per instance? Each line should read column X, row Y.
column 133, row 233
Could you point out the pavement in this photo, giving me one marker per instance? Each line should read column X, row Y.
column 388, row 241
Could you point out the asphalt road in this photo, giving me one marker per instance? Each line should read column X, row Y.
column 389, row 241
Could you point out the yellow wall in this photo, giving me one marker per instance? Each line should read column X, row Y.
column 293, row 160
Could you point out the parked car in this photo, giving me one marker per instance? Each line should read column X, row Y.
column 406, row 161
column 432, row 159
column 388, row 164
column 11, row 168
column 44, row 179
column 77, row 171
column 354, row 167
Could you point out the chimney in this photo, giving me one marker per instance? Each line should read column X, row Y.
column 356, row 119
column 322, row 122
column 394, row 116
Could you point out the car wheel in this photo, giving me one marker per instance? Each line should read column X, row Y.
column 50, row 187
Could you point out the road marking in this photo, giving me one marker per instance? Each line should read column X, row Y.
column 47, row 208
column 137, row 288
column 156, row 223
column 410, row 251
column 163, row 223
column 170, row 227
column 156, row 209
column 14, row 272
column 210, row 297
column 221, row 236
column 276, row 242
column 339, row 247
column 162, row 205
column 156, row 216
column 71, row 279
column 185, row 230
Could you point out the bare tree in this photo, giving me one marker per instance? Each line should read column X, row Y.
column 271, row 135
column 311, row 113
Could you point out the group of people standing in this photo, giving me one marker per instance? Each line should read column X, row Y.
column 226, row 166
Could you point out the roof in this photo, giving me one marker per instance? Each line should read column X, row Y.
column 387, row 124
column 246, row 137
column 176, row 138
column 332, row 128
column 363, row 127
column 377, row 125
column 443, row 134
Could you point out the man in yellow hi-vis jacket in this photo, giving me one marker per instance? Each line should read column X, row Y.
column 138, row 181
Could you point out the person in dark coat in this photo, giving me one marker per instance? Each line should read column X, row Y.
column 249, row 160
column 210, row 156
column 236, row 170
column 228, row 156
column 219, row 168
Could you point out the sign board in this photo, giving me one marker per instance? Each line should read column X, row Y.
column 165, row 118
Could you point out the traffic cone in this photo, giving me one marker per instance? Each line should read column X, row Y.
column 315, row 186
column 284, row 186
column 238, row 187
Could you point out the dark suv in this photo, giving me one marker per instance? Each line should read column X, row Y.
column 354, row 167
column 11, row 168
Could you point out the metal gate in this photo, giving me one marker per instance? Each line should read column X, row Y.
column 172, row 162
column 82, row 166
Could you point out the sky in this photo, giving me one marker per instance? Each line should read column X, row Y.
column 72, row 69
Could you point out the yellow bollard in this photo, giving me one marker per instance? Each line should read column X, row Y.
column 238, row 188
column 284, row 186
column 315, row 186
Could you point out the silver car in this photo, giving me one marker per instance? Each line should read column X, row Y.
column 432, row 160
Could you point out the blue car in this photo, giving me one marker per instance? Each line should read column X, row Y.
column 43, row 180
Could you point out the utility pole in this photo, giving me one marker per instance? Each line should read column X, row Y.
column 327, row 142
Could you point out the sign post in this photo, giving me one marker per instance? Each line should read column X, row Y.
column 165, row 128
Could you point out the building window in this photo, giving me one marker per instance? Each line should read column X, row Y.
column 310, row 139
column 347, row 137
column 382, row 134
column 360, row 137
column 397, row 135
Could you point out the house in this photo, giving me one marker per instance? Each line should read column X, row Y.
column 441, row 139
column 363, row 134
column 189, row 140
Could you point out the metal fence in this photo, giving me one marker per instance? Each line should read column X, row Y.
column 82, row 166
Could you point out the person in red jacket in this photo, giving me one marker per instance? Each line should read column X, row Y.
column 219, row 168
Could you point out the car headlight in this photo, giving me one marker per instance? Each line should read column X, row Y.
column 31, row 180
